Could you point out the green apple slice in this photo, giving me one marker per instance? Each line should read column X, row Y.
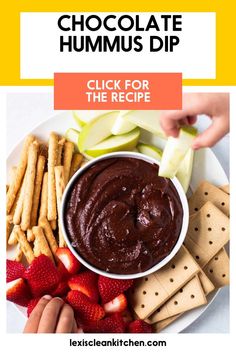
column 150, row 150
column 148, row 120
column 97, row 130
column 121, row 125
column 184, row 172
column 72, row 135
column 114, row 143
column 175, row 151
column 84, row 118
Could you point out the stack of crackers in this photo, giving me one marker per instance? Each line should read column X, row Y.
column 34, row 196
column 200, row 266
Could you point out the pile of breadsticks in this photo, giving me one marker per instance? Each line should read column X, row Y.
column 34, row 196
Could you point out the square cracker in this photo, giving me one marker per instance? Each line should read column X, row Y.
column 218, row 269
column 208, row 232
column 208, row 192
column 225, row 188
column 206, row 283
column 190, row 296
column 159, row 326
column 152, row 291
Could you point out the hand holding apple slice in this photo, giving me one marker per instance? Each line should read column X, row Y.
column 114, row 143
column 175, row 151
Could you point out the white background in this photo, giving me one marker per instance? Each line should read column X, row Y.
column 27, row 110
column 185, row 343
column 194, row 56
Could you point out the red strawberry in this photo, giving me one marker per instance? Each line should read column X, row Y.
column 31, row 305
column 68, row 259
column 118, row 304
column 110, row 288
column 127, row 316
column 85, row 308
column 61, row 290
column 18, row 292
column 43, row 277
column 86, row 282
column 63, row 271
column 15, row 270
column 139, row 326
column 110, row 324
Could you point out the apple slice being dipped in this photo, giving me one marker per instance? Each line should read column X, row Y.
column 175, row 151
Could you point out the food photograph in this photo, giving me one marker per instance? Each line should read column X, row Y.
column 117, row 221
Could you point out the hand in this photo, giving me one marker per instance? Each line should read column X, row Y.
column 214, row 105
column 51, row 315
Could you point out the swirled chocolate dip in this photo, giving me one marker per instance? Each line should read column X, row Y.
column 122, row 217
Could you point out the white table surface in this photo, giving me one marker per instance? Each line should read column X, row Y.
column 24, row 111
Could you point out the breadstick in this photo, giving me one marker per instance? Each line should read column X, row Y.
column 8, row 227
column 24, row 244
column 83, row 163
column 43, row 149
column 19, row 203
column 12, row 240
column 75, row 163
column 37, row 189
column 53, row 224
column 67, row 157
column 52, row 160
column 40, row 243
column 60, row 186
column 43, row 211
column 20, row 171
column 12, row 174
column 30, row 235
column 60, row 148
column 29, row 186
column 19, row 253
column 44, row 223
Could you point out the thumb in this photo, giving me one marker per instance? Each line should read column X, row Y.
column 211, row 135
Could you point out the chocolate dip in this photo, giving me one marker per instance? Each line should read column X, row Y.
column 121, row 217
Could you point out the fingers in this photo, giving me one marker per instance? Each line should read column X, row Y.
column 211, row 135
column 170, row 122
column 66, row 320
column 49, row 318
column 35, row 317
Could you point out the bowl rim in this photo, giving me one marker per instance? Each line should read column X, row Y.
column 157, row 266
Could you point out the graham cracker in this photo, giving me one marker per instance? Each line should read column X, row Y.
column 159, row 326
column 208, row 232
column 208, row 192
column 225, row 188
column 218, row 269
column 151, row 292
column 206, row 283
column 187, row 298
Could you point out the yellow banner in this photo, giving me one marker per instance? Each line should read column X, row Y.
column 225, row 32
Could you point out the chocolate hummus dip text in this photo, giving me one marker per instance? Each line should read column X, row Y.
column 122, row 217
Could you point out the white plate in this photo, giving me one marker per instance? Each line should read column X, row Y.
column 205, row 167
